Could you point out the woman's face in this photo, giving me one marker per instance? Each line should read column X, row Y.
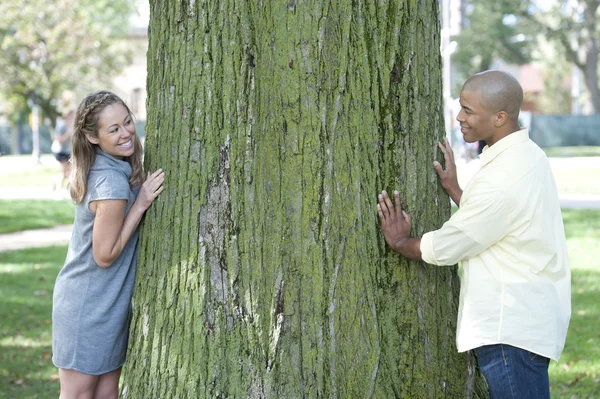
column 116, row 131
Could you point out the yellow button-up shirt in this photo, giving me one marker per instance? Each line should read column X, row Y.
column 509, row 236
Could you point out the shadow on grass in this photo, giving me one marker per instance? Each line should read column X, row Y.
column 25, row 322
column 31, row 373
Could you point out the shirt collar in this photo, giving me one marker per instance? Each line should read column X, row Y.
column 105, row 161
column 489, row 153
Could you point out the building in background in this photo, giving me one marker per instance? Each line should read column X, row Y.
column 130, row 85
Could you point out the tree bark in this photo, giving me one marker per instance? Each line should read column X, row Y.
column 262, row 272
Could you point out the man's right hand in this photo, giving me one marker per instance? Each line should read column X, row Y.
column 448, row 177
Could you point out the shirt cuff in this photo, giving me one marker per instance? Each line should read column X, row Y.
column 426, row 247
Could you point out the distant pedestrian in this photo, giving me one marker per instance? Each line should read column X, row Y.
column 61, row 147
column 92, row 296
column 515, row 295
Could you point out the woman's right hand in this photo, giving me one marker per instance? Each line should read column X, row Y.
column 151, row 189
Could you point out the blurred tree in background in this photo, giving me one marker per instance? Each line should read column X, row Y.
column 490, row 32
column 557, row 72
column 573, row 26
column 518, row 31
column 49, row 47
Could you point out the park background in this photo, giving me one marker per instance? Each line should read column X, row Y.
column 558, row 104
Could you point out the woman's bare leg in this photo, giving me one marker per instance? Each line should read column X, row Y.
column 76, row 385
column 108, row 385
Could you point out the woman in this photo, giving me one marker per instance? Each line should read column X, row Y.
column 92, row 295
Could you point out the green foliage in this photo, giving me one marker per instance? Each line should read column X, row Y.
column 563, row 32
column 491, row 32
column 573, row 28
column 52, row 46
column 552, row 62
column 18, row 215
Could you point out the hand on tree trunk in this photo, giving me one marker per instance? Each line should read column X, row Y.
column 396, row 225
column 448, row 177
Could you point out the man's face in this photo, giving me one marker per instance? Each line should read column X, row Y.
column 476, row 122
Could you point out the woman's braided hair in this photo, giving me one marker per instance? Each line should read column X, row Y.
column 84, row 152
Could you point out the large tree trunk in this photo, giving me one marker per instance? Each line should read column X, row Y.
column 262, row 272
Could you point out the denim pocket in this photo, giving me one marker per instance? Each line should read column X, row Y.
column 539, row 359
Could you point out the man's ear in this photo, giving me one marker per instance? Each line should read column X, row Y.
column 500, row 118
column 91, row 139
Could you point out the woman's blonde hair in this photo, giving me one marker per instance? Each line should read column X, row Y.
column 83, row 154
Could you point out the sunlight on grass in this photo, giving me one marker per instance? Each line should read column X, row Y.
column 18, row 215
column 584, row 181
column 578, row 372
column 582, row 228
column 579, row 151
column 577, row 375
column 21, row 170
column 26, row 369
column 579, row 176
column 25, row 322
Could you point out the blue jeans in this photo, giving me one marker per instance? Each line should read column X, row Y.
column 514, row 373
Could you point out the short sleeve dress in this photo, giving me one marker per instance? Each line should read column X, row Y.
column 91, row 307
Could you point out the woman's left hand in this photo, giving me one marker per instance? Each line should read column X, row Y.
column 151, row 189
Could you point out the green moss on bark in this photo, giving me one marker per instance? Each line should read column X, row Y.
column 262, row 271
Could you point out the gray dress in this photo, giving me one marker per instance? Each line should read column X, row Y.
column 91, row 306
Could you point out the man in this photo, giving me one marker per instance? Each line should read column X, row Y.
column 515, row 299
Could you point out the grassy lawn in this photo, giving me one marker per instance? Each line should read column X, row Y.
column 20, row 170
column 26, row 295
column 18, row 215
column 25, row 316
column 584, row 181
column 576, row 170
column 579, row 151
column 577, row 375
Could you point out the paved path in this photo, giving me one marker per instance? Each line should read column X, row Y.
column 58, row 235
column 568, row 201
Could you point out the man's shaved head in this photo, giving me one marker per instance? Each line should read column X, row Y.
column 500, row 91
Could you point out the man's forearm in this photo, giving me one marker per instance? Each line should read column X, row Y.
column 409, row 247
